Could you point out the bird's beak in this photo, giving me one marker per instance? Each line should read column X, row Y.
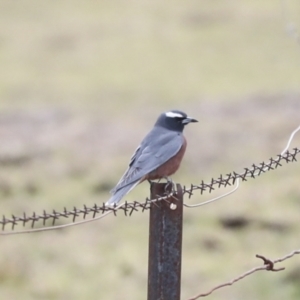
column 188, row 120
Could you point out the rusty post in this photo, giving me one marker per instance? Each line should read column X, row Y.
column 165, row 244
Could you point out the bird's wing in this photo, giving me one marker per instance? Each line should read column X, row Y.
column 157, row 148
column 132, row 160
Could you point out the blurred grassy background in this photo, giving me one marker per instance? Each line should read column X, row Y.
column 80, row 86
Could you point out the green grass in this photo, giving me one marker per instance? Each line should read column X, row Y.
column 81, row 84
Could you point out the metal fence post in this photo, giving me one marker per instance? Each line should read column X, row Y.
column 165, row 244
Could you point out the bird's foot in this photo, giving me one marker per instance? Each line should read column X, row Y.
column 150, row 182
column 170, row 182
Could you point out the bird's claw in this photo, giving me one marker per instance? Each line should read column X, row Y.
column 169, row 182
column 167, row 185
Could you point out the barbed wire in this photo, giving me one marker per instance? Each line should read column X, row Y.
column 129, row 207
column 268, row 266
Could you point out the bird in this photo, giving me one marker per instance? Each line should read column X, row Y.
column 158, row 156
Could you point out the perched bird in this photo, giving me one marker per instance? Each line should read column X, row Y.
column 158, row 156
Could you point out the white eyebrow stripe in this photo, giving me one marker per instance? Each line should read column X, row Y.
column 171, row 114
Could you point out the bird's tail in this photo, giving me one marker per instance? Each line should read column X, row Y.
column 120, row 193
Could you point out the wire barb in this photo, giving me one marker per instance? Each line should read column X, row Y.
column 268, row 266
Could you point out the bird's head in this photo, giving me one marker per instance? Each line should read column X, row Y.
column 174, row 120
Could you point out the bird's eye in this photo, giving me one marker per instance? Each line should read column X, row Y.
column 178, row 119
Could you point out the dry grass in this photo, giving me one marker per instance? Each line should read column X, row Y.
column 80, row 85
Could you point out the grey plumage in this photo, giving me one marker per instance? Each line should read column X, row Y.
column 159, row 145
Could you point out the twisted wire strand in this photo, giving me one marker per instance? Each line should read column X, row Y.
column 97, row 212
